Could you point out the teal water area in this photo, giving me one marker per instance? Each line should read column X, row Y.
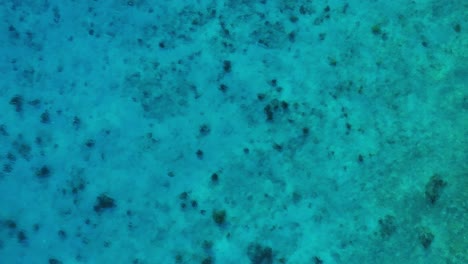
column 243, row 132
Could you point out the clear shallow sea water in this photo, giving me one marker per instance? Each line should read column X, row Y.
column 253, row 132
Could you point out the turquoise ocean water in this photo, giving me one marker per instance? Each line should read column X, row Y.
column 233, row 132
